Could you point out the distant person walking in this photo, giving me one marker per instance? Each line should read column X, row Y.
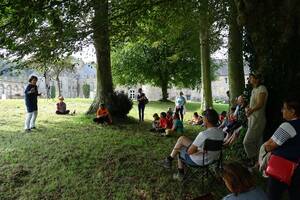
column 31, row 94
column 142, row 101
column 256, row 118
column 179, row 105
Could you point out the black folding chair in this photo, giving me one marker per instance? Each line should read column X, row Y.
column 204, row 171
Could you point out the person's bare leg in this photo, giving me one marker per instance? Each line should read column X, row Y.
column 181, row 142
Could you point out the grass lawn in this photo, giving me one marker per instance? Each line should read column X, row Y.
column 69, row 157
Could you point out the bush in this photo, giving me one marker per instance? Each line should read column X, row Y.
column 120, row 105
column 86, row 88
column 52, row 92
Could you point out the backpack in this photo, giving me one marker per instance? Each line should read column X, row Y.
column 146, row 100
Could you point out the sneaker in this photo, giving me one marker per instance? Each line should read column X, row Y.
column 178, row 176
column 163, row 134
column 166, row 163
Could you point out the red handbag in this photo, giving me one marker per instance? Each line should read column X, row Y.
column 281, row 169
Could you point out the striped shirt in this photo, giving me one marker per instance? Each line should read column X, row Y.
column 284, row 132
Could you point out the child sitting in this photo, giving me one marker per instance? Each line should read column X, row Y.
column 197, row 119
column 61, row 107
column 170, row 118
column 155, row 122
column 102, row 115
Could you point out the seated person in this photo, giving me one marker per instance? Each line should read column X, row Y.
column 170, row 111
column 192, row 151
column 163, row 123
column 241, row 121
column 61, row 107
column 197, row 119
column 155, row 122
column 240, row 182
column 229, row 121
column 222, row 116
column 170, row 118
column 103, row 115
column 177, row 126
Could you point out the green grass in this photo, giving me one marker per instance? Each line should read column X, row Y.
column 69, row 157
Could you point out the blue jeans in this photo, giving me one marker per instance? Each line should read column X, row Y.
column 185, row 157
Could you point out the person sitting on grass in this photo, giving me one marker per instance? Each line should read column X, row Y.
column 222, row 116
column 229, row 121
column 61, row 107
column 191, row 152
column 155, row 122
column 170, row 117
column 103, row 115
column 197, row 119
column 170, row 112
column 240, row 124
column 177, row 126
column 240, row 182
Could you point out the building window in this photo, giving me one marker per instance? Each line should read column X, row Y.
column 132, row 94
column 226, row 80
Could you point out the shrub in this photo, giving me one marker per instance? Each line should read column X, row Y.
column 86, row 88
column 52, row 92
column 120, row 105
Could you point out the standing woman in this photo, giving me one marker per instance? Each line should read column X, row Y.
column 31, row 93
column 256, row 118
column 142, row 99
column 179, row 105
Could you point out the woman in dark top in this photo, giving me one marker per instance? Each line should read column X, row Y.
column 142, row 99
column 31, row 93
column 285, row 143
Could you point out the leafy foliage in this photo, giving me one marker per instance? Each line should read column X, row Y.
column 52, row 92
column 86, row 88
column 120, row 105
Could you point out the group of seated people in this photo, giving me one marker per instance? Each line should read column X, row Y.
column 167, row 123
column 282, row 166
column 233, row 122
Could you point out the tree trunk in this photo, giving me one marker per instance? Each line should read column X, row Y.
column 58, row 85
column 274, row 33
column 104, row 89
column 205, row 56
column 235, row 56
column 164, row 90
column 47, row 85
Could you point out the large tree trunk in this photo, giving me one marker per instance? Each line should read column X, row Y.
column 274, row 30
column 235, row 56
column 104, row 89
column 205, row 56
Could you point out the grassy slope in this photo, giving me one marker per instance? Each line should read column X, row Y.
column 69, row 157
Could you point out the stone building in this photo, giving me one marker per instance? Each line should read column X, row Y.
column 12, row 85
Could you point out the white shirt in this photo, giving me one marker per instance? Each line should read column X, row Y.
column 212, row 133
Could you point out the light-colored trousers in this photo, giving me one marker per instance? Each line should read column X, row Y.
column 30, row 119
column 254, row 136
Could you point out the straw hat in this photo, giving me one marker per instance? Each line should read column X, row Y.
column 61, row 98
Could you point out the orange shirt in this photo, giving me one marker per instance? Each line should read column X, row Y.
column 102, row 112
